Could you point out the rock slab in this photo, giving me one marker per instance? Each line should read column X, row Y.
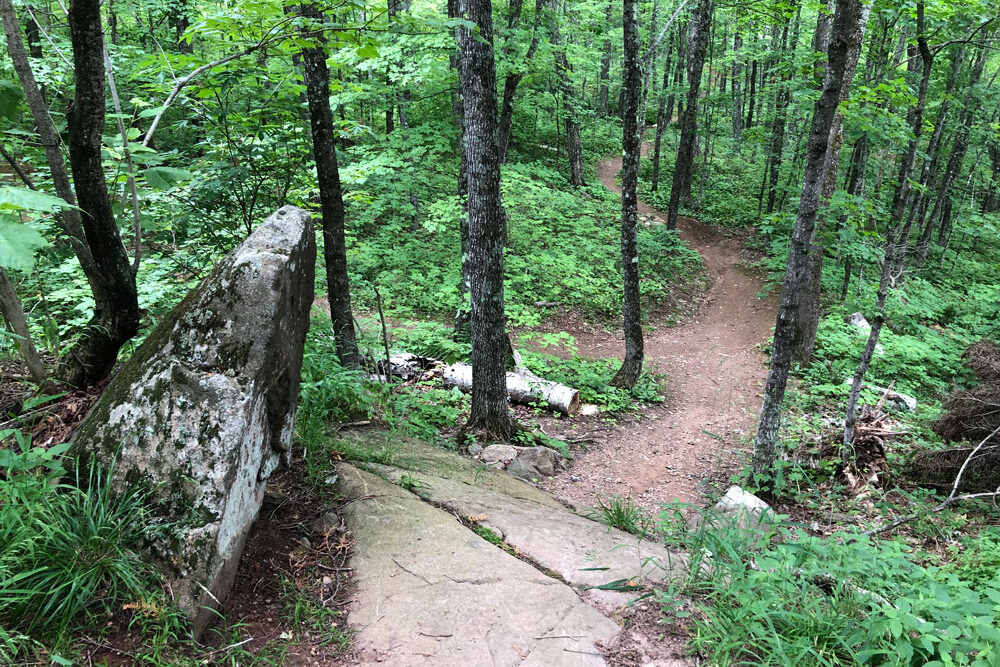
column 203, row 412
column 429, row 591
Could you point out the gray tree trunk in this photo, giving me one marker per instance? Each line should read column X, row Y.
column 514, row 78
column 661, row 117
column 958, row 150
column 897, row 236
column 317, row 80
column 631, row 366
column 737, row 78
column 13, row 313
column 574, row 146
column 489, row 416
column 847, row 32
column 698, row 31
column 604, row 76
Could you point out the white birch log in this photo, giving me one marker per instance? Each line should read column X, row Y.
column 523, row 386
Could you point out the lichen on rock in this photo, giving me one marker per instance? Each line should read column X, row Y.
column 203, row 412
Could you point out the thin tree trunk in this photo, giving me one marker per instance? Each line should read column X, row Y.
column 737, row 77
column 782, row 97
column 13, row 313
column 513, row 80
column 574, row 146
column 700, row 25
column 849, row 22
column 116, row 305
column 958, row 150
column 661, row 118
column 897, row 236
column 604, row 77
column 489, row 415
column 631, row 366
column 317, row 80
column 751, row 94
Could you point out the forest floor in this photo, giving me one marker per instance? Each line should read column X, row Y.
column 715, row 372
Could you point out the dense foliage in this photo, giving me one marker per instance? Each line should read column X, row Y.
column 208, row 131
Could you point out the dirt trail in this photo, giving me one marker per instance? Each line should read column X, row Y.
column 715, row 372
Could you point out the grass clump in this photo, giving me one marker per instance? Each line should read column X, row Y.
column 66, row 549
column 622, row 513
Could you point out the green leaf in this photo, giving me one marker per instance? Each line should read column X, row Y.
column 24, row 199
column 164, row 178
column 369, row 50
column 10, row 98
column 18, row 244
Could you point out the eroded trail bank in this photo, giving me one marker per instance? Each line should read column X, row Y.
column 716, row 372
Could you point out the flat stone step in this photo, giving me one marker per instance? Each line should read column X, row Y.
column 429, row 591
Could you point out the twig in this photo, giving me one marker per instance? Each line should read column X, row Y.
column 385, row 335
column 953, row 497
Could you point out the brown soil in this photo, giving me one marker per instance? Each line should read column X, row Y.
column 715, row 372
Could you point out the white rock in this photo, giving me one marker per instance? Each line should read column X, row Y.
column 737, row 499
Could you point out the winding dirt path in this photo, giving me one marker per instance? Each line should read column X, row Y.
column 716, row 373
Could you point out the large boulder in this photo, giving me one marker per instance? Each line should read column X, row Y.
column 203, row 412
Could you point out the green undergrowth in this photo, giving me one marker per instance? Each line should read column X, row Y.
column 331, row 394
column 724, row 196
column 784, row 597
column 562, row 247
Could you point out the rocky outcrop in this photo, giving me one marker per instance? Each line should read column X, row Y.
column 203, row 412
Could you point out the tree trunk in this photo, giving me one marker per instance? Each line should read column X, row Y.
column 737, row 77
column 179, row 16
column 489, row 415
column 69, row 219
column 898, row 234
column 317, row 80
column 574, row 146
column 958, row 150
column 849, row 22
column 991, row 203
column 782, row 97
column 751, row 94
column 807, row 323
column 700, row 25
column 631, row 366
column 116, row 305
column 604, row 76
column 13, row 313
column 661, row 118
column 513, row 80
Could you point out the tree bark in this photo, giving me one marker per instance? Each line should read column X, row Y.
column 116, row 305
column 13, row 313
column 513, row 80
column 661, row 118
column 782, row 97
column 751, row 94
column 897, row 235
column 317, row 80
column 631, row 366
column 737, row 77
column 698, row 31
column 574, row 146
column 849, row 22
column 604, row 76
column 958, row 150
column 489, row 416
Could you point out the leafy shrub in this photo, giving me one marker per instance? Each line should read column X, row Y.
column 831, row 601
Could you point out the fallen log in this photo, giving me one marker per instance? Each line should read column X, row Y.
column 523, row 386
